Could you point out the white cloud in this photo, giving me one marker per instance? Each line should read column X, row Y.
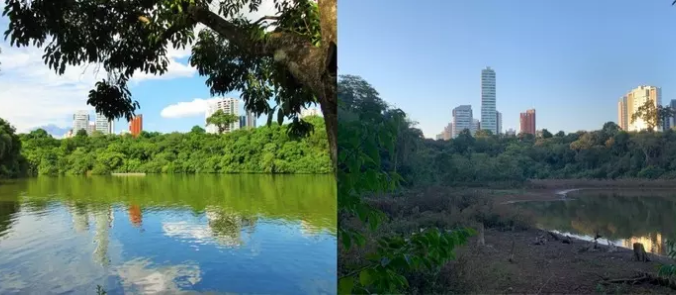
column 192, row 108
column 32, row 95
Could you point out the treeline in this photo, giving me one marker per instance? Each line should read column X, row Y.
column 260, row 150
column 608, row 153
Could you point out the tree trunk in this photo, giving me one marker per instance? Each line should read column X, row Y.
column 481, row 230
column 329, row 108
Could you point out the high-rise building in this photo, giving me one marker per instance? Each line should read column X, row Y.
column 488, row 101
column 527, row 121
column 498, row 120
column 136, row 125
column 80, row 121
column 462, row 119
column 104, row 125
column 448, row 132
column 476, row 125
column 228, row 106
column 310, row 112
column 91, row 127
column 510, row 132
column 672, row 120
column 632, row 101
column 250, row 120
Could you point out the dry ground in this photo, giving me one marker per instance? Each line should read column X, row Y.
column 553, row 268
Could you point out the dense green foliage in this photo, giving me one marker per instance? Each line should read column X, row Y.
column 371, row 144
column 10, row 151
column 608, row 153
column 260, row 150
column 288, row 57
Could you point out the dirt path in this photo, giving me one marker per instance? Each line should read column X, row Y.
column 552, row 268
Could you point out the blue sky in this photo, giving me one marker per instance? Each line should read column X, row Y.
column 570, row 60
column 32, row 96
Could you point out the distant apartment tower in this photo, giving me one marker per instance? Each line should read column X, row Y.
column 476, row 126
column 448, row 132
column 248, row 121
column 498, row 118
column 672, row 121
column 80, row 121
column 488, row 101
column 510, row 132
column 527, row 122
column 91, row 127
column 310, row 112
column 136, row 125
column 104, row 125
column 462, row 119
column 228, row 106
column 632, row 101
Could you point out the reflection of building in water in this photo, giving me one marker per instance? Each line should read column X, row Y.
column 104, row 221
column 653, row 243
column 135, row 215
column 80, row 217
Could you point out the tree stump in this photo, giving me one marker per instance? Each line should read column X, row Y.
column 481, row 229
column 639, row 253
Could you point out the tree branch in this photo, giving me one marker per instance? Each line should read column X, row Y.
column 267, row 17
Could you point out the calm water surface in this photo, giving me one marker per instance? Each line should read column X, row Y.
column 165, row 234
column 620, row 217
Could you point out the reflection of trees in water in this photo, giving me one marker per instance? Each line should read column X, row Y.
column 653, row 243
column 7, row 211
column 308, row 229
column 642, row 219
column 227, row 227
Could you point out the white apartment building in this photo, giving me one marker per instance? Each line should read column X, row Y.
column 488, row 101
column 310, row 112
column 80, row 121
column 228, row 106
column 499, row 122
column 462, row 119
column 632, row 101
column 104, row 125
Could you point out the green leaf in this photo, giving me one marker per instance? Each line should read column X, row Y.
column 366, row 277
column 345, row 285
column 347, row 240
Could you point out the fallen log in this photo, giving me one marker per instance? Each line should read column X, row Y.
column 642, row 277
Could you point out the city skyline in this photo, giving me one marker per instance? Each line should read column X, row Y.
column 569, row 72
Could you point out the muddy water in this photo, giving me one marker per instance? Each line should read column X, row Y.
column 621, row 217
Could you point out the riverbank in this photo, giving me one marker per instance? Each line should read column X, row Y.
column 510, row 262
column 554, row 267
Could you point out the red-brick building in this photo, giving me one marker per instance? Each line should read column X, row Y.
column 136, row 125
column 527, row 121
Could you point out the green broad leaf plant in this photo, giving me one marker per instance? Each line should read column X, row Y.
column 368, row 130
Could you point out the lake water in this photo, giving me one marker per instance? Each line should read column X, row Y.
column 620, row 217
column 166, row 234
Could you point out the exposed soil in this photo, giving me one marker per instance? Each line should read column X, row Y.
column 552, row 268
